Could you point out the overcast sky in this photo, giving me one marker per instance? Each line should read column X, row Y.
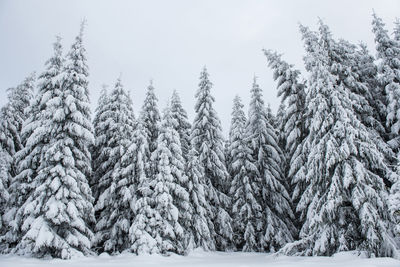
column 170, row 41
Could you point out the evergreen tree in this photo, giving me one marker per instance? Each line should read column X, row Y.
column 4, row 195
column 13, row 115
column 28, row 159
column 238, row 123
column 206, row 138
column 344, row 201
column 181, row 123
column 150, row 117
column 293, row 94
column 275, row 202
column 60, row 207
column 343, row 63
column 367, row 72
column 116, row 186
column 246, row 208
column 100, row 131
column 388, row 52
column 171, row 199
column 136, row 161
column 202, row 226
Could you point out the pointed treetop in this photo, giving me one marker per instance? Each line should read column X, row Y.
column 82, row 27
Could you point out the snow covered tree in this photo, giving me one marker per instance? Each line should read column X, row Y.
column 136, row 160
column 29, row 158
column 100, row 141
column 171, row 199
column 344, row 203
column 238, row 123
column 181, row 123
column 343, row 61
column 115, row 186
column 12, row 117
column 150, row 117
column 4, row 195
column 246, row 208
column 59, row 210
column 365, row 68
column 274, row 198
column 388, row 52
column 293, row 93
column 202, row 226
column 206, row 138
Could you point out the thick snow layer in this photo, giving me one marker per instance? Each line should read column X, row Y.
column 206, row 259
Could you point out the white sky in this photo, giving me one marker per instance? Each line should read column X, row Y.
column 170, row 41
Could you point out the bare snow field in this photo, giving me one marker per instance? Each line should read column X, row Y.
column 200, row 259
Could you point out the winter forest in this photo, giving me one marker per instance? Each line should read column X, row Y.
column 320, row 176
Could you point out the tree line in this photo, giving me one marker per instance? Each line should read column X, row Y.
column 318, row 177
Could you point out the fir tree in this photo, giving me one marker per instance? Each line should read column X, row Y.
column 367, row 72
column 150, row 117
column 293, row 94
column 238, row 123
column 60, row 207
column 342, row 59
column 274, row 198
column 13, row 115
column 344, row 201
column 206, row 138
column 246, row 208
column 141, row 232
column 181, row 123
column 4, row 195
column 100, row 131
column 202, row 226
column 29, row 158
column 116, row 187
column 388, row 51
column 171, row 206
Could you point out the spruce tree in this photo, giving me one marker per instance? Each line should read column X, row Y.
column 171, row 199
column 60, row 208
column 13, row 115
column 4, row 196
column 344, row 201
column 275, row 201
column 181, row 123
column 206, row 138
column 150, row 117
column 34, row 141
column 116, row 187
column 388, row 52
column 246, row 208
column 367, row 72
column 141, row 231
column 343, row 63
column 293, row 93
column 97, row 151
column 202, row 226
column 238, row 123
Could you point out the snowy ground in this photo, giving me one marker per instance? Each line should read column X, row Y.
column 200, row 259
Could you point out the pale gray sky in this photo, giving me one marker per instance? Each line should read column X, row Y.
column 170, row 41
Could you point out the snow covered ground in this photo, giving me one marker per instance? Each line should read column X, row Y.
column 200, row 259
